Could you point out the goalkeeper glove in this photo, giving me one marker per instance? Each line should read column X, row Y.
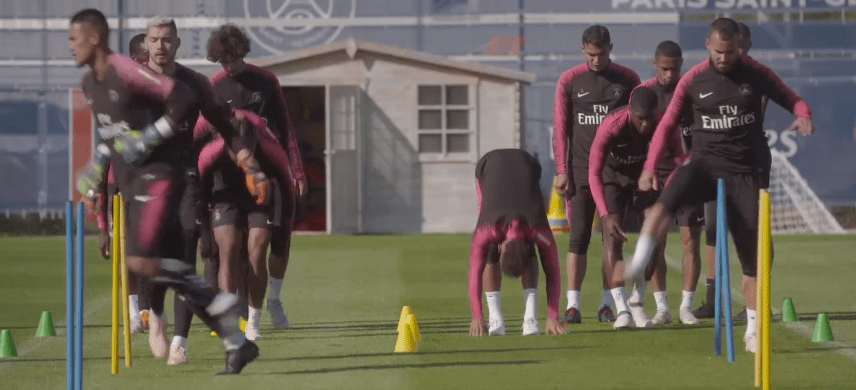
column 94, row 172
column 135, row 146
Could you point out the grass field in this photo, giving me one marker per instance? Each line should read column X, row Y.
column 344, row 295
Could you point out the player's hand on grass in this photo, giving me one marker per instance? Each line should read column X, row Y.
column 104, row 244
column 648, row 182
column 555, row 326
column 562, row 182
column 478, row 327
column 612, row 226
column 803, row 125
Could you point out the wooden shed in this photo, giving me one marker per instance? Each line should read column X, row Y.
column 391, row 136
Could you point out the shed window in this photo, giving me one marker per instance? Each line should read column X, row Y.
column 444, row 119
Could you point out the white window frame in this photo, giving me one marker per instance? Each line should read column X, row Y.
column 444, row 154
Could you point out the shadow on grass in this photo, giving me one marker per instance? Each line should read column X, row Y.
column 809, row 350
column 400, row 366
column 834, row 316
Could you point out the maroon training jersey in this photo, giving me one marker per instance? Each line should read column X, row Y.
column 727, row 115
column 618, row 154
column 583, row 99
column 131, row 96
column 508, row 188
column 257, row 90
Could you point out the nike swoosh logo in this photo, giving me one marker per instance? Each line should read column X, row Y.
column 580, row 94
column 143, row 198
column 699, row 219
column 704, row 95
column 269, row 222
column 148, row 176
column 149, row 76
column 229, row 101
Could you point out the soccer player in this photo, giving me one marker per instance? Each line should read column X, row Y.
column 255, row 89
column 724, row 94
column 137, row 49
column 615, row 163
column 668, row 61
column 162, row 43
column 585, row 94
column 761, row 151
column 512, row 219
column 125, row 95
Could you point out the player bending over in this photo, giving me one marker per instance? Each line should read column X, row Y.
column 512, row 218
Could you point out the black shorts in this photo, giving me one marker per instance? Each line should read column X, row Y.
column 191, row 201
column 627, row 198
column 580, row 209
column 154, row 229
column 230, row 209
column 696, row 182
column 691, row 215
column 283, row 211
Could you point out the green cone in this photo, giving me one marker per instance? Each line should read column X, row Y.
column 7, row 346
column 788, row 312
column 46, row 327
column 822, row 331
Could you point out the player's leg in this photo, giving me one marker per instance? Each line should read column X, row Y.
column 259, row 223
column 529, row 280
column 657, row 268
column 280, row 248
column 692, row 183
column 706, row 310
column 742, row 213
column 617, row 199
column 155, row 249
column 188, row 218
column 691, row 221
column 581, row 215
column 492, row 281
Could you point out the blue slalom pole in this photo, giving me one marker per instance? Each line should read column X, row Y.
column 78, row 335
column 720, row 225
column 725, row 270
column 69, row 295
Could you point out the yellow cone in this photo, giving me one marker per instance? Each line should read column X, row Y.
column 405, row 341
column 402, row 320
column 243, row 325
column 556, row 215
column 414, row 327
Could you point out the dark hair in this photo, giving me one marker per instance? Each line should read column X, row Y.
column 516, row 257
column 136, row 44
column 668, row 49
column 227, row 43
column 643, row 98
column 727, row 28
column 744, row 31
column 597, row 35
column 94, row 18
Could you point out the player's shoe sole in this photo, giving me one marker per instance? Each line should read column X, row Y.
column 605, row 314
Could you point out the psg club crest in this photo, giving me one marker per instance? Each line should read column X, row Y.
column 616, row 92
column 305, row 22
column 745, row 89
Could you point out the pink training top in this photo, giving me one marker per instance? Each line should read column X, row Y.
column 619, row 141
column 496, row 234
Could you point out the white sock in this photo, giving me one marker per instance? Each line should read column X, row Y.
column 662, row 300
column 687, row 299
column 620, row 301
column 573, row 299
column 234, row 341
column 638, row 293
column 530, row 298
column 179, row 341
column 751, row 322
column 274, row 289
column 641, row 256
column 494, row 304
column 134, row 306
column 606, row 298
column 255, row 315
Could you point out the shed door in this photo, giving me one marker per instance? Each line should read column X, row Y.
column 343, row 160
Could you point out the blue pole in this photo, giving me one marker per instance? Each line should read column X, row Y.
column 69, row 295
column 720, row 203
column 725, row 270
column 79, row 284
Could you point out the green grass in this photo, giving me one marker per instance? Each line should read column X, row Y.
column 344, row 296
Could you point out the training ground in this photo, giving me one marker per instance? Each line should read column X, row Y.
column 344, row 295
